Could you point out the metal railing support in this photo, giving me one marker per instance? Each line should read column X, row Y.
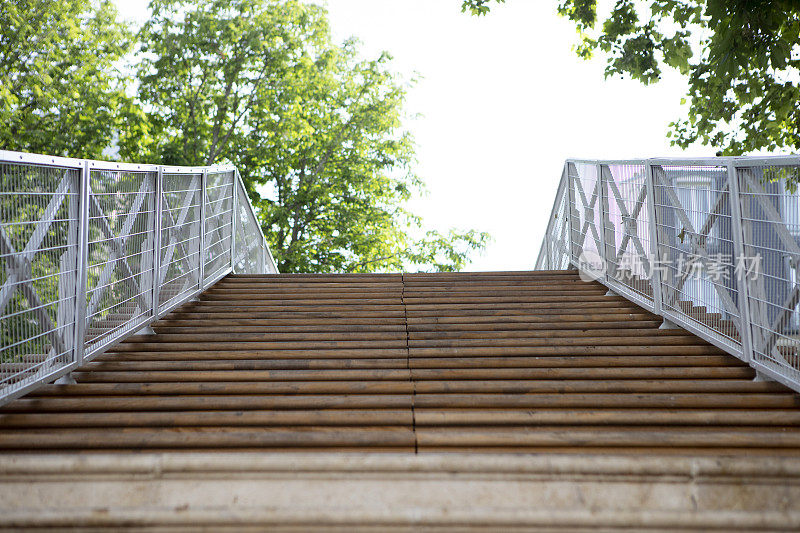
column 234, row 216
column 565, row 180
column 571, row 218
column 746, row 326
column 81, row 278
column 655, row 261
column 202, row 256
column 604, row 231
column 157, row 239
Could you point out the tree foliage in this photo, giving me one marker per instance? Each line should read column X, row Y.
column 60, row 89
column 741, row 57
column 308, row 123
column 311, row 125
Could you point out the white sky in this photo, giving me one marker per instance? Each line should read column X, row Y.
column 503, row 101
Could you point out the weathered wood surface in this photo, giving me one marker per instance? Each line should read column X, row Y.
column 510, row 361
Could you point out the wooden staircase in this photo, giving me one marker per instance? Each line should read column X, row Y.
column 476, row 363
column 415, row 362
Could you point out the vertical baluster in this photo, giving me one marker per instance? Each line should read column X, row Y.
column 572, row 217
column 234, row 214
column 742, row 299
column 652, row 226
column 202, row 256
column 159, row 188
column 606, row 239
column 84, row 188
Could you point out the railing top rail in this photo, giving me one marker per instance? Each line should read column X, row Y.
column 739, row 161
column 607, row 161
column 171, row 169
column 10, row 156
column 125, row 167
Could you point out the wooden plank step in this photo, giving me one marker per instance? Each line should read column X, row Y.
column 602, row 417
column 624, row 353
column 183, row 355
column 523, row 318
column 288, row 324
column 242, row 375
column 591, row 339
column 246, row 345
column 217, row 437
column 573, row 349
column 117, row 365
column 548, row 330
column 785, row 400
column 591, row 361
column 237, row 336
column 567, row 372
column 581, row 372
column 209, row 402
column 226, row 388
column 740, row 385
column 724, row 438
column 609, row 386
column 265, row 326
column 259, row 418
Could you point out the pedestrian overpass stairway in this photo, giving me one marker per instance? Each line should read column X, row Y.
column 467, row 362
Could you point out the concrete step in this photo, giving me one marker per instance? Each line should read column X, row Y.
column 391, row 492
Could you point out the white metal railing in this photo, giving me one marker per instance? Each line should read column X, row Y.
column 93, row 251
column 712, row 245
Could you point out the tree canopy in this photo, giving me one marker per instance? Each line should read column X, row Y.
column 741, row 57
column 315, row 129
column 61, row 91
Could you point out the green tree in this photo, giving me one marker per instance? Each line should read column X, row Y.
column 741, row 57
column 311, row 125
column 61, row 92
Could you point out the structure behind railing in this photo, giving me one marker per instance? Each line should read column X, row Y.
column 712, row 245
column 92, row 251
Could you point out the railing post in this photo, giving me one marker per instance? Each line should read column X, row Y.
column 548, row 252
column 84, row 188
column 571, row 219
column 202, row 256
column 157, row 240
column 601, row 231
column 740, row 273
column 234, row 215
column 652, row 226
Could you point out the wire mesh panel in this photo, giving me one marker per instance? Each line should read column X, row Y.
column 626, row 229
column 250, row 249
column 696, row 249
column 39, row 210
column 770, row 206
column 120, row 254
column 584, row 204
column 181, row 198
column 87, row 248
column 218, row 223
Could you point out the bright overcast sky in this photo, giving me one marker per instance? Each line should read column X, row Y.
column 503, row 101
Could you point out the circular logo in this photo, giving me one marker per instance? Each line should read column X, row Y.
column 591, row 266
